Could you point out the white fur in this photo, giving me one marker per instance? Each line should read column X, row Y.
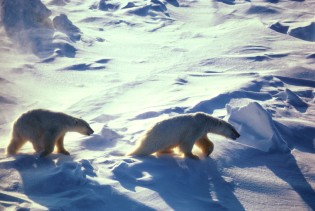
column 183, row 131
column 45, row 129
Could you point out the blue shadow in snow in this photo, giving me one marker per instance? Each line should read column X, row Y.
column 183, row 184
column 283, row 165
column 65, row 185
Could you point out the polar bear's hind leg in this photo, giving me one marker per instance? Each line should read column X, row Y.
column 15, row 144
column 168, row 150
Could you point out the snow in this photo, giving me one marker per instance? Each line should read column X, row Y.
column 125, row 65
column 257, row 129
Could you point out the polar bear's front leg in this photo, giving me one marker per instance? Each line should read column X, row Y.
column 48, row 150
column 60, row 147
column 186, row 147
column 48, row 141
column 205, row 144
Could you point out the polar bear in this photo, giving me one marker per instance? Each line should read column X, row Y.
column 45, row 129
column 184, row 131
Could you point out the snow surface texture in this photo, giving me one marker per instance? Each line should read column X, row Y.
column 124, row 65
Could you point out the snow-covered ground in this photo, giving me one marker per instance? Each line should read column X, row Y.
column 122, row 66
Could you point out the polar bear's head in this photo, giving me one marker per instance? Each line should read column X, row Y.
column 81, row 126
column 230, row 131
column 226, row 129
column 221, row 127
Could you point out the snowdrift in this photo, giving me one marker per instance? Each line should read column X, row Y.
column 256, row 127
column 28, row 24
column 306, row 33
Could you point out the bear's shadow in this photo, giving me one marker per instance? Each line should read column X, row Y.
column 57, row 183
column 180, row 182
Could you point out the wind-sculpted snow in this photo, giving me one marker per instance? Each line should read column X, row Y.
column 49, row 185
column 63, row 24
column 305, row 32
column 105, row 5
column 29, row 26
column 123, row 66
column 257, row 129
column 153, row 8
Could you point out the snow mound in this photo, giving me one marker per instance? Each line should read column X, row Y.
column 105, row 5
column 294, row 99
column 261, row 10
column 278, row 27
column 153, row 8
column 256, row 127
column 63, row 24
column 305, row 33
column 28, row 25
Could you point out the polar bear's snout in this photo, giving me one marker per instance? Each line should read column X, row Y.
column 230, row 132
column 90, row 131
column 235, row 135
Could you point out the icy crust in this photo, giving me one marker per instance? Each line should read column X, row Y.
column 256, row 127
column 28, row 24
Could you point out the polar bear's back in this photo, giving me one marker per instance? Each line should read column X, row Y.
column 32, row 123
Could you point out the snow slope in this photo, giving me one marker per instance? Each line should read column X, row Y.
column 123, row 66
